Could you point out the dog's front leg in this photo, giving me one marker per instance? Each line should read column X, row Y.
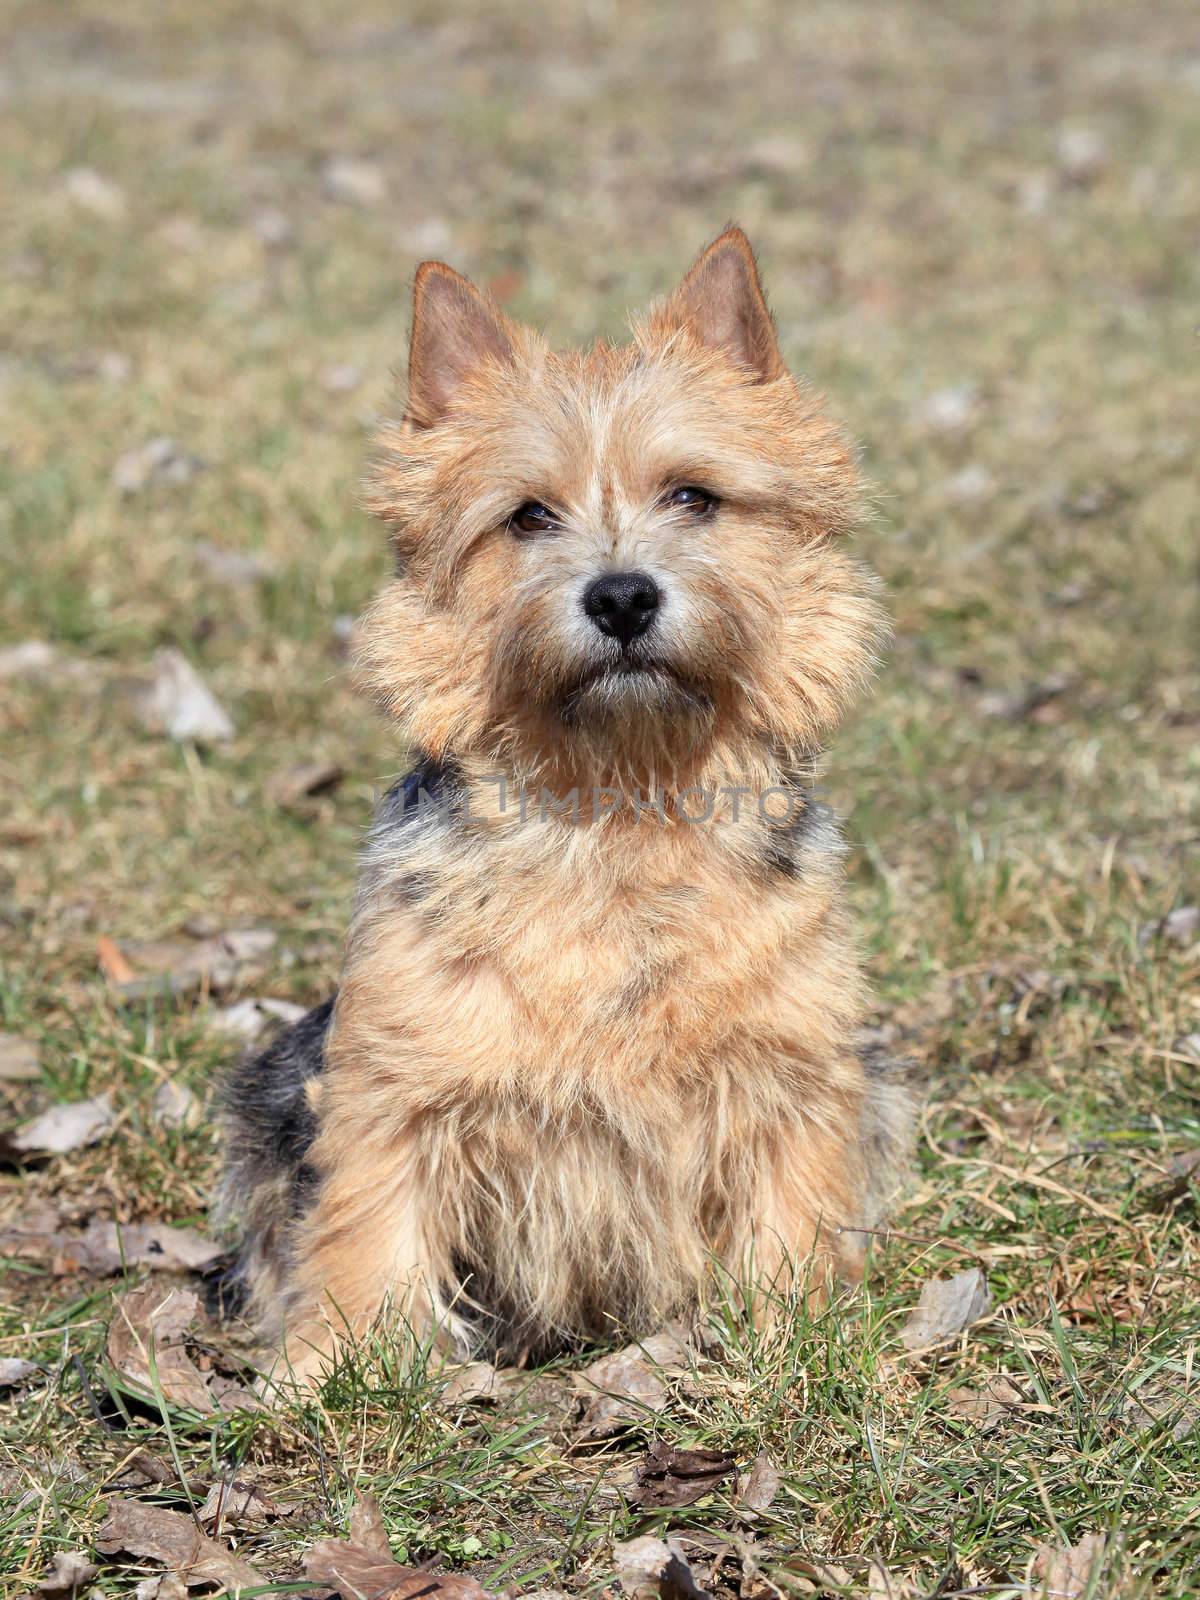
column 809, row 1200
column 365, row 1244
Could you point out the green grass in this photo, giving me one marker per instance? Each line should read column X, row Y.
column 906, row 173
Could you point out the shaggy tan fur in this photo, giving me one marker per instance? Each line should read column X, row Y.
column 578, row 1055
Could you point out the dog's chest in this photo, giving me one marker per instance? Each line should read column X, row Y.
column 526, row 965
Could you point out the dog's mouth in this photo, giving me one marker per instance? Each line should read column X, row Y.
column 631, row 685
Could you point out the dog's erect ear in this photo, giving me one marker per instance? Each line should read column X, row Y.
column 454, row 330
column 721, row 300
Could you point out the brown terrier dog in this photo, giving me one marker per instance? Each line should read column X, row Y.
column 596, row 1030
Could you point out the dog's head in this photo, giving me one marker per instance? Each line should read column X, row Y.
column 630, row 553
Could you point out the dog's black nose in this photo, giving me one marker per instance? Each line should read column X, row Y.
column 622, row 604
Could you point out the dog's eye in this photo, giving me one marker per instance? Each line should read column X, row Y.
column 689, row 498
column 532, row 517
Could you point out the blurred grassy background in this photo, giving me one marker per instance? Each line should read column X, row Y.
column 980, row 230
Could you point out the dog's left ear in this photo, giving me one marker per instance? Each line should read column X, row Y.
column 455, row 329
column 722, row 302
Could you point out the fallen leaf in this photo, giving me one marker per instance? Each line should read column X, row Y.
column 628, row 1389
column 93, row 192
column 139, row 1469
column 239, row 568
column 883, row 1584
column 1183, row 1175
column 1064, row 1574
column 273, row 229
column 291, row 787
column 951, row 409
column 237, row 1504
column 655, row 1569
column 105, row 1247
column 62, row 1128
column 946, row 1307
column 166, row 1587
column 758, row 1488
column 666, row 1477
column 148, row 1327
column 1150, row 1407
column 14, row 1371
column 18, row 1059
column 987, row 1405
column 358, row 1573
column 180, row 704
column 152, row 1533
column 159, row 460
column 70, row 1571
column 476, row 1384
column 174, row 1105
column 970, row 484
column 1181, row 926
column 356, row 182
column 366, row 1525
column 248, row 1018
column 113, row 963
column 341, row 378
column 1027, row 702
column 183, row 966
column 1082, row 153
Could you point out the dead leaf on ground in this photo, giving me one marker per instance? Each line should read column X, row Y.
column 354, row 181
column 14, row 1371
column 655, row 1569
column 152, row 1533
column 183, row 966
column 757, row 1489
column 477, row 1384
column 240, row 568
column 113, row 963
column 18, row 1059
column 342, row 377
column 177, row 702
column 70, row 1571
column 1031, row 702
column 174, row 1105
column 1064, row 1574
column 91, row 191
column 293, row 786
column 36, row 661
column 246, row 1019
column 159, row 460
column 149, row 1325
column 141, row 1468
column 360, row 1573
column 237, row 1504
column 1180, row 926
column 946, row 1307
column 1183, row 1174
column 105, row 1247
column 667, row 1477
column 366, row 1525
column 621, row 1389
column 1148, row 1407
column 884, row 1584
column 60, row 1129
column 166, row 1587
column 987, row 1405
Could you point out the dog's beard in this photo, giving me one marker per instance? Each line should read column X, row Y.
column 628, row 690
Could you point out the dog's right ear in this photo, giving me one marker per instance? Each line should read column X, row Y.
column 454, row 330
